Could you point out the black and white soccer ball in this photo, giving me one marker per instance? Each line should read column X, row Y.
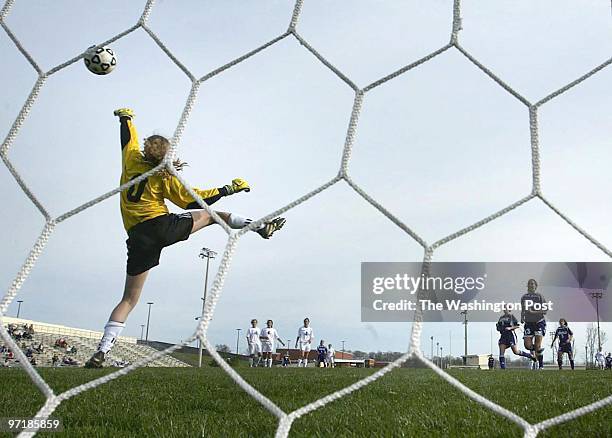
column 100, row 60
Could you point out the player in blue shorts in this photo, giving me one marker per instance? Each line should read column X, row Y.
column 565, row 335
column 609, row 361
column 506, row 325
column 321, row 354
column 534, row 323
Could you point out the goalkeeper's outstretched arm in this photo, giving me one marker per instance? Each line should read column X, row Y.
column 178, row 194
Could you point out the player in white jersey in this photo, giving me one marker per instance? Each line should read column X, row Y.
column 331, row 356
column 252, row 337
column 268, row 337
column 600, row 360
column 304, row 341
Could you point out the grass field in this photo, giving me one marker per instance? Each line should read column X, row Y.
column 406, row 402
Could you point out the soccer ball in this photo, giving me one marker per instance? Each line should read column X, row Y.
column 100, row 60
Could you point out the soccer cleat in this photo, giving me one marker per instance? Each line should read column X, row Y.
column 96, row 360
column 124, row 112
column 271, row 227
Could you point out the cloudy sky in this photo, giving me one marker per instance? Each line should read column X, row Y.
column 441, row 147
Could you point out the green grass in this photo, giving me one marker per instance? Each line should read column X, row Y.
column 192, row 359
column 406, row 402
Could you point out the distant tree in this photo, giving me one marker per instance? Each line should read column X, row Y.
column 385, row 356
column 222, row 348
column 592, row 342
column 358, row 354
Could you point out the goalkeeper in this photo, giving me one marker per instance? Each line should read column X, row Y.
column 150, row 226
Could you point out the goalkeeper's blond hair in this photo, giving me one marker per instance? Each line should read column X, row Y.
column 155, row 149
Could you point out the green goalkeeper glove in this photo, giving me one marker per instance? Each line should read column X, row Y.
column 124, row 112
column 237, row 185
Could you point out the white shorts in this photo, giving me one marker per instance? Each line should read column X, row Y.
column 254, row 348
column 304, row 346
column 268, row 347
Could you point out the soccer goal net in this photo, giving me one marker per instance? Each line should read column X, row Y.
column 285, row 419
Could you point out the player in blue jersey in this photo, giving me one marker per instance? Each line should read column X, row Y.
column 506, row 325
column 321, row 354
column 609, row 361
column 565, row 336
column 532, row 315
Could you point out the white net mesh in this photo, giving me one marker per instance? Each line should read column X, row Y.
column 285, row 418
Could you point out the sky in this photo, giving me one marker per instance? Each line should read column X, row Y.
column 440, row 147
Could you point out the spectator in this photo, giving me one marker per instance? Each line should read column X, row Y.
column 29, row 352
column 55, row 360
column 61, row 343
column 17, row 334
column 70, row 361
column 33, row 361
column 40, row 348
column 10, row 354
column 6, row 364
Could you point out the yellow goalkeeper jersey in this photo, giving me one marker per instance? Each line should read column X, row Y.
column 145, row 200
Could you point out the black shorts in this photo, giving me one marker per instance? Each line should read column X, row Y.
column 147, row 239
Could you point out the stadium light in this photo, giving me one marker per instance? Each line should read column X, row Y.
column 431, row 337
column 148, row 320
column 465, row 333
column 597, row 296
column 237, row 339
column 19, row 307
column 205, row 253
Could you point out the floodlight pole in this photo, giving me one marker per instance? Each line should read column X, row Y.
column 237, row 339
column 343, row 349
column 441, row 359
column 465, row 336
column 597, row 295
column 208, row 254
column 431, row 338
column 19, row 307
column 437, row 348
column 148, row 320
column 142, row 326
column 450, row 347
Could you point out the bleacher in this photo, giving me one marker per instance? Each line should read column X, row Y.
column 126, row 349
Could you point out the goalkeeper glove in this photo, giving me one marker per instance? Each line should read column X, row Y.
column 124, row 112
column 237, row 185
